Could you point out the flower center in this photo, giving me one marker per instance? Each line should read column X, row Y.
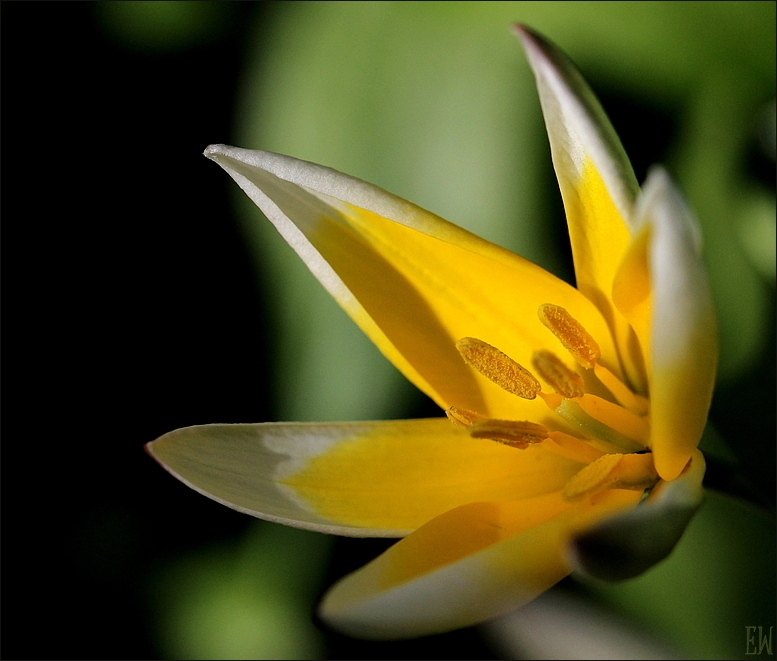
column 609, row 434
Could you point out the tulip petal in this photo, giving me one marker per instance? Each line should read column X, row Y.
column 362, row 479
column 683, row 345
column 467, row 565
column 413, row 282
column 633, row 297
column 597, row 182
column 631, row 542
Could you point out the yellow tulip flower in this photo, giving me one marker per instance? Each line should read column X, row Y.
column 573, row 414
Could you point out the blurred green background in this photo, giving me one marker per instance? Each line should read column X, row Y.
column 147, row 295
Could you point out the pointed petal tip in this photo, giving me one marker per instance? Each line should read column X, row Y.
column 527, row 34
column 660, row 194
column 214, row 150
column 339, row 619
column 535, row 44
column 519, row 29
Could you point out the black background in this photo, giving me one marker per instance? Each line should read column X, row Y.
column 118, row 249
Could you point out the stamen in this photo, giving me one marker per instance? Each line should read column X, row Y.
column 562, row 379
column 571, row 334
column 463, row 417
column 596, row 432
column 577, row 449
column 510, row 432
column 616, row 417
column 622, row 393
column 612, row 471
column 591, row 477
column 498, row 367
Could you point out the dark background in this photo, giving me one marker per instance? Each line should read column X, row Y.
column 130, row 309
column 118, row 247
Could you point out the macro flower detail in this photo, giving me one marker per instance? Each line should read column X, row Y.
column 572, row 415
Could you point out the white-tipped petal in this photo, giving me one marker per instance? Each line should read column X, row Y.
column 242, row 466
column 361, row 479
column 683, row 352
column 467, row 565
column 459, row 569
column 412, row 281
column 597, row 184
column 578, row 127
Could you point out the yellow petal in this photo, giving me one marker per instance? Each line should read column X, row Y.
column 683, row 353
column 400, row 474
column 633, row 297
column 362, row 479
column 470, row 564
column 414, row 283
column 595, row 177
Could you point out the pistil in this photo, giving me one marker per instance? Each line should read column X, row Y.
column 599, row 434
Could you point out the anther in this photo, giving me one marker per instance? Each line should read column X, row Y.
column 612, row 471
column 463, row 417
column 562, row 379
column 571, row 334
column 592, row 478
column 510, row 432
column 498, row 367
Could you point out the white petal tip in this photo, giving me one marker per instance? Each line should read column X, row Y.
column 538, row 47
column 660, row 194
column 214, row 150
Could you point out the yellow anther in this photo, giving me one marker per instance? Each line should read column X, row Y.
column 463, row 417
column 592, row 478
column 510, row 432
column 571, row 334
column 562, row 379
column 612, row 471
column 498, row 367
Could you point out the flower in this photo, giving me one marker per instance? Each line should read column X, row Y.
column 573, row 414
